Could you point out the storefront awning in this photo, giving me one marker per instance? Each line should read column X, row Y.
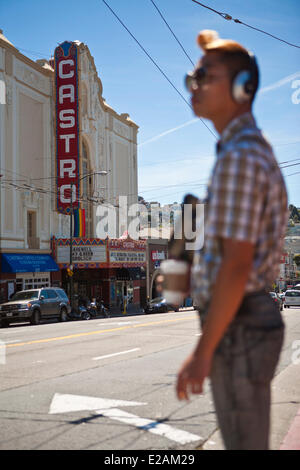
column 23, row 263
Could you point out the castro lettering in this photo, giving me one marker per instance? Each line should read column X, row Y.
column 67, row 134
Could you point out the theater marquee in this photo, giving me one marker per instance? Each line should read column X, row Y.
column 86, row 252
column 67, row 125
column 127, row 253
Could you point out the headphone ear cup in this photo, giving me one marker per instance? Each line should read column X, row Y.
column 242, row 87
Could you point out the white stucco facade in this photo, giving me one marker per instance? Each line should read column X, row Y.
column 28, row 215
column 25, row 150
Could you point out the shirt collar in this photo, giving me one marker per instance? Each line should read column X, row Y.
column 235, row 126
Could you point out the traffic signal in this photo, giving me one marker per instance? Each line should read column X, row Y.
column 70, row 272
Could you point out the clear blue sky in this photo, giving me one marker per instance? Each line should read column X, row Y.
column 176, row 151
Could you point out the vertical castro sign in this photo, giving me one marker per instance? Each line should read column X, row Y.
column 67, row 126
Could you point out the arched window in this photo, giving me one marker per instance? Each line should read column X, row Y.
column 86, row 191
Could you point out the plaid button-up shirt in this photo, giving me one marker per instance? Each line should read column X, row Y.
column 247, row 201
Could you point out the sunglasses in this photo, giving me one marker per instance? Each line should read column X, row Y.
column 198, row 77
column 195, row 78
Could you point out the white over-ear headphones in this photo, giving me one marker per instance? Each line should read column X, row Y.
column 245, row 82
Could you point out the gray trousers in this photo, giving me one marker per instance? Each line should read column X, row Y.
column 242, row 370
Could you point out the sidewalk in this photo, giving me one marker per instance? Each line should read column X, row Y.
column 132, row 310
column 285, row 413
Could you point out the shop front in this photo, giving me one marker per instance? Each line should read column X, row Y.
column 157, row 251
column 89, row 261
column 22, row 271
column 111, row 270
column 127, row 267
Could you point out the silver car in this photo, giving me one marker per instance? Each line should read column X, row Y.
column 292, row 298
column 34, row 305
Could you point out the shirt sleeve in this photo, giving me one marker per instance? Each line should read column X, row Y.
column 238, row 194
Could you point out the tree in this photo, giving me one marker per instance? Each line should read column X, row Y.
column 297, row 259
column 294, row 213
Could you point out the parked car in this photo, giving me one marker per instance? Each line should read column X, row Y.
column 159, row 305
column 292, row 298
column 34, row 305
column 277, row 300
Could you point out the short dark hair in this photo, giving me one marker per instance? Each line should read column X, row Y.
column 237, row 61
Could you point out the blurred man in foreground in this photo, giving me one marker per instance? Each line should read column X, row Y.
column 245, row 221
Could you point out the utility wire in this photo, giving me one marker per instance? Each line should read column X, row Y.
column 292, row 164
column 172, row 32
column 102, row 200
column 225, row 16
column 49, row 190
column 156, row 65
column 38, row 54
column 28, row 187
column 288, row 161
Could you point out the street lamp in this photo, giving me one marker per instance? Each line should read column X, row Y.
column 103, row 172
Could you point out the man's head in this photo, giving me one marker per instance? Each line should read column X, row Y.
column 225, row 80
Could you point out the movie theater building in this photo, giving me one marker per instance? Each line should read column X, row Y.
column 57, row 138
column 113, row 270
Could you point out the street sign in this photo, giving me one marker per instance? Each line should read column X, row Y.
column 66, row 403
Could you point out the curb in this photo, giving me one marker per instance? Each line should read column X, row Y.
column 292, row 439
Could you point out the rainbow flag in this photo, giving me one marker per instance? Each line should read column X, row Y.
column 79, row 223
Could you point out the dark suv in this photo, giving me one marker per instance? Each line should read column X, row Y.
column 35, row 304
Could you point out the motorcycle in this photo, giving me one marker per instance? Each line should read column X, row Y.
column 98, row 308
column 79, row 311
column 84, row 309
column 84, row 312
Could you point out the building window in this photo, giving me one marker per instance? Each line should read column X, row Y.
column 30, row 282
column 36, row 283
column 32, row 240
column 86, row 192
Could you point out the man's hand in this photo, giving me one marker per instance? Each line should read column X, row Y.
column 192, row 375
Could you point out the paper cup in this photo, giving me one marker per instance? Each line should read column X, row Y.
column 176, row 280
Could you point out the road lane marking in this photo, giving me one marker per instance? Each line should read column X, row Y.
column 14, row 341
column 66, row 403
column 115, row 354
column 155, row 427
column 116, row 323
column 97, row 332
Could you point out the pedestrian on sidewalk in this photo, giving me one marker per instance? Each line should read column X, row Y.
column 245, row 221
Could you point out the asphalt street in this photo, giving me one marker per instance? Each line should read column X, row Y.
column 109, row 384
